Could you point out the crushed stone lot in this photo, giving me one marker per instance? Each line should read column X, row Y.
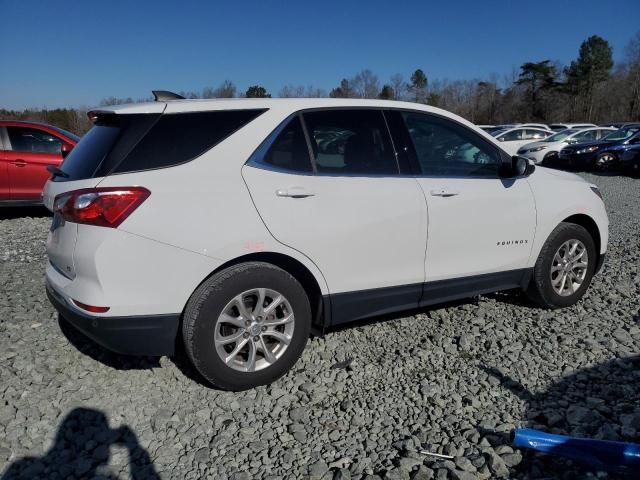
column 453, row 380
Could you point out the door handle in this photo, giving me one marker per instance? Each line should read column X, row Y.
column 443, row 192
column 294, row 192
column 18, row 163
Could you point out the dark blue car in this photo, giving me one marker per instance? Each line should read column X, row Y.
column 603, row 154
column 630, row 160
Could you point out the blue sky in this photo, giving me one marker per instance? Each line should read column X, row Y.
column 75, row 53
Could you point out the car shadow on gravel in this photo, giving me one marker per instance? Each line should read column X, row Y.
column 88, row 347
column 82, row 449
column 9, row 213
column 600, row 402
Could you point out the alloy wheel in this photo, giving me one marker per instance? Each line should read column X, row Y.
column 569, row 267
column 254, row 329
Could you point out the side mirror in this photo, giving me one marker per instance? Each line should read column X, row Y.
column 501, row 139
column 65, row 149
column 519, row 167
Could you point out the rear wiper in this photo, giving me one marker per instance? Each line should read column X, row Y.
column 56, row 171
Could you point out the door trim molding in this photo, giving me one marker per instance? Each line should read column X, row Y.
column 347, row 307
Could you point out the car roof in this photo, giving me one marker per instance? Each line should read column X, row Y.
column 195, row 105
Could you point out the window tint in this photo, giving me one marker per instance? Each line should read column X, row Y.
column 289, row 151
column 33, row 140
column 445, row 148
column 105, row 145
column 351, row 142
column 180, row 137
column 512, row 135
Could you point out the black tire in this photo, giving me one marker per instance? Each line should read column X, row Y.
column 601, row 165
column 540, row 289
column 208, row 302
column 550, row 159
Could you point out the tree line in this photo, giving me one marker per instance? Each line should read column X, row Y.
column 591, row 88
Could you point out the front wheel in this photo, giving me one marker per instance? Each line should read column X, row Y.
column 564, row 267
column 246, row 325
column 605, row 161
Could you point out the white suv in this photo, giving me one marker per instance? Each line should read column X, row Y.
column 239, row 226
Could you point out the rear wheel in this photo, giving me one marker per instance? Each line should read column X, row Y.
column 564, row 267
column 246, row 325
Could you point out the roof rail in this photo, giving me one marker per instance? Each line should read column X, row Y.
column 165, row 95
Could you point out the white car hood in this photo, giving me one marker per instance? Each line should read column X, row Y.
column 544, row 144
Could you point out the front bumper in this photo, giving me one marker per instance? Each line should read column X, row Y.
column 131, row 335
column 573, row 160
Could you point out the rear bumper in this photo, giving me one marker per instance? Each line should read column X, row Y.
column 131, row 335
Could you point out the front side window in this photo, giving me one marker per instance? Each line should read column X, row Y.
column 289, row 151
column 351, row 142
column 444, row 148
column 33, row 140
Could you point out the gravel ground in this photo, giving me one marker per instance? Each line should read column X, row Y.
column 452, row 380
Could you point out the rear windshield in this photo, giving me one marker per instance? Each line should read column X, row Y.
column 130, row 143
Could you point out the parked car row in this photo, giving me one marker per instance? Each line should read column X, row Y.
column 555, row 127
column 582, row 146
column 595, row 148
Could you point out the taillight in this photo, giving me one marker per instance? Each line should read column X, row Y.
column 103, row 207
column 91, row 308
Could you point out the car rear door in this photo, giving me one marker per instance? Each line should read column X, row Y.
column 479, row 223
column 347, row 208
column 31, row 150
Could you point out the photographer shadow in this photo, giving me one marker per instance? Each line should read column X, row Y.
column 601, row 402
column 82, row 449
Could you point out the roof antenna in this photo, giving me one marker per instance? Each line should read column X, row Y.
column 165, row 95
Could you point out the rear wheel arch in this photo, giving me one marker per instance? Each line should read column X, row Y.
column 292, row 266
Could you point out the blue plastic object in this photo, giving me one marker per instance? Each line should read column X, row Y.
column 618, row 457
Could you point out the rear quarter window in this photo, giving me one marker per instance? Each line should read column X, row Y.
column 180, row 137
column 130, row 143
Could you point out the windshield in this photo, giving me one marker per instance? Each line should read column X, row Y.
column 621, row 135
column 498, row 132
column 557, row 137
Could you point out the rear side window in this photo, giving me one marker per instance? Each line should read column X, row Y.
column 129, row 143
column 351, row 142
column 32, row 140
column 289, row 151
column 178, row 138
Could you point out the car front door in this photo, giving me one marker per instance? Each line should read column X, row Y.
column 327, row 184
column 480, row 224
column 31, row 150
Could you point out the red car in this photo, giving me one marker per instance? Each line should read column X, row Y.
column 26, row 149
